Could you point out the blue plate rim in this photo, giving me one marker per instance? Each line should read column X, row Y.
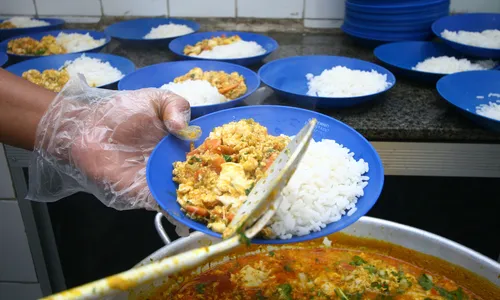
column 195, row 30
column 420, row 4
column 248, row 93
column 327, row 98
column 439, row 90
column 302, row 238
column 438, row 34
column 6, row 41
column 275, row 44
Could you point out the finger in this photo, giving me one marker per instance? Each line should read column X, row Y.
column 175, row 111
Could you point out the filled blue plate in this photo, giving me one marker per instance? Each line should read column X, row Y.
column 3, row 58
column 469, row 22
column 401, row 57
column 132, row 32
column 399, row 8
column 287, row 77
column 39, row 35
column 56, row 61
column 160, row 74
column 278, row 120
column 8, row 33
column 462, row 89
column 270, row 45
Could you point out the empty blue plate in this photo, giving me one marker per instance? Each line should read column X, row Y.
column 469, row 22
column 270, row 45
column 401, row 57
column 56, row 61
column 3, row 58
column 462, row 90
column 160, row 74
column 132, row 32
column 39, row 35
column 287, row 77
column 53, row 24
column 278, row 120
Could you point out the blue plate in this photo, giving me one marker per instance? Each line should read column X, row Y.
column 469, row 22
column 401, row 57
column 391, row 27
column 278, row 120
column 3, row 58
column 461, row 90
column 39, row 35
column 395, row 18
column 160, row 74
column 8, row 33
column 56, row 61
column 177, row 46
column 365, row 38
column 132, row 32
column 287, row 77
column 403, row 8
column 388, row 35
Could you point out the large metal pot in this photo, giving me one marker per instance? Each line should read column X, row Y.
column 368, row 227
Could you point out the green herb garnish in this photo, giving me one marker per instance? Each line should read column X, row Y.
column 227, row 158
column 357, row 261
column 425, row 282
column 200, row 288
column 271, row 253
column 288, row 268
column 40, row 51
column 243, row 238
column 371, row 269
column 247, row 191
column 341, row 294
column 285, row 291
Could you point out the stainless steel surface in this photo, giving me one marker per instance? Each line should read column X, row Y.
column 402, row 158
column 161, row 231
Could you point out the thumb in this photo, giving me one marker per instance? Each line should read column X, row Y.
column 175, row 112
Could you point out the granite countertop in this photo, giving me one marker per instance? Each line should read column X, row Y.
column 408, row 112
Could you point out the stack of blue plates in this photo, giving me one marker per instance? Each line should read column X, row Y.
column 379, row 21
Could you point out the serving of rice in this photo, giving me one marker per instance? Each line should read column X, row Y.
column 486, row 39
column 490, row 110
column 340, row 81
column 325, row 187
column 76, row 42
column 196, row 92
column 449, row 65
column 168, row 30
column 96, row 72
column 237, row 49
column 25, row 22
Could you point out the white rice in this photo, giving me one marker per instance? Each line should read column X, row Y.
column 238, row 49
column 25, row 22
column 449, row 65
column 325, row 186
column 487, row 39
column 168, row 30
column 76, row 42
column 490, row 110
column 340, row 81
column 96, row 72
column 196, row 92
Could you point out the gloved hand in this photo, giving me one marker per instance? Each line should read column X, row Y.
column 98, row 141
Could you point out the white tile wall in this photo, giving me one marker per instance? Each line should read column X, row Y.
column 69, row 7
column 202, row 8
column 134, row 7
column 271, row 8
column 324, row 9
column 311, row 10
column 17, row 7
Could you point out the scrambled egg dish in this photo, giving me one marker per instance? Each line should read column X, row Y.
column 209, row 44
column 217, row 176
column 29, row 46
column 50, row 79
column 7, row 25
column 232, row 85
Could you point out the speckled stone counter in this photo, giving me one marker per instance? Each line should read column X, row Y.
column 408, row 112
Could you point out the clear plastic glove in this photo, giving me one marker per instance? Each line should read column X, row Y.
column 98, row 141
